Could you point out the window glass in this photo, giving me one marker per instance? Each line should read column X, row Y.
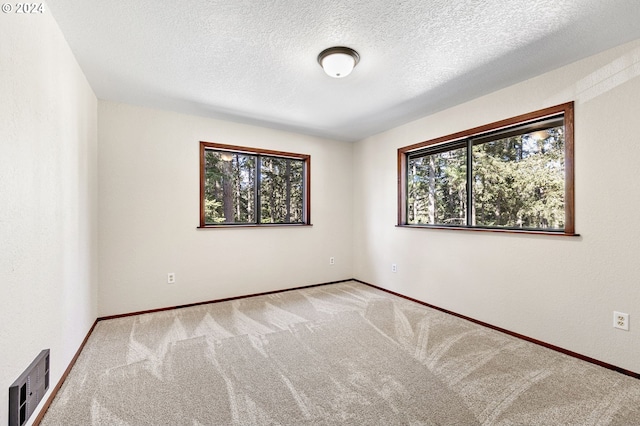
column 437, row 188
column 281, row 190
column 518, row 181
column 230, row 180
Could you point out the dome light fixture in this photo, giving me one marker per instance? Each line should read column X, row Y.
column 338, row 61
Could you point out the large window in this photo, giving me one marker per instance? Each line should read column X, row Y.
column 248, row 186
column 513, row 175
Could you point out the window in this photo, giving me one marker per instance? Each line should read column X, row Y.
column 514, row 175
column 250, row 187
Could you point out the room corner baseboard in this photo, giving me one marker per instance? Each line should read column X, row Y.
column 55, row 390
column 168, row 308
column 512, row 333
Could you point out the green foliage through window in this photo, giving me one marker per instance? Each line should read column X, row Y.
column 512, row 177
column 252, row 187
column 437, row 187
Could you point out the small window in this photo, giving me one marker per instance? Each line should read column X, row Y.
column 514, row 175
column 248, row 186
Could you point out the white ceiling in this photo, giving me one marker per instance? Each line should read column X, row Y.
column 256, row 61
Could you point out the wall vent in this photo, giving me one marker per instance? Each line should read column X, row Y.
column 27, row 391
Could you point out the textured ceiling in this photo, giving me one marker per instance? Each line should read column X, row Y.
column 255, row 61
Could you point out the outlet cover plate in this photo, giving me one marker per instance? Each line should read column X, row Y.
column 621, row 320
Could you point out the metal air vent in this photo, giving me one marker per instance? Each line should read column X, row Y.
column 27, row 391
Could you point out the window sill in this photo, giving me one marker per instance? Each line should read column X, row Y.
column 250, row 225
column 495, row 230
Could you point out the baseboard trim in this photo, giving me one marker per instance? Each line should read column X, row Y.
column 55, row 390
column 168, row 308
column 512, row 333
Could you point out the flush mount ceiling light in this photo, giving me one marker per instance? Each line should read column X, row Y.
column 339, row 61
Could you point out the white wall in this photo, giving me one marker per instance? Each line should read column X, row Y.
column 48, row 199
column 561, row 290
column 149, row 212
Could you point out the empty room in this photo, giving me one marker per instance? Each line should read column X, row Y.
column 313, row 213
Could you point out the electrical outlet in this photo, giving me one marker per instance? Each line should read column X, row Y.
column 171, row 278
column 621, row 320
column 332, row 260
column 394, row 268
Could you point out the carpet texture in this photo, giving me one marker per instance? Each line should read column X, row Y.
column 336, row 354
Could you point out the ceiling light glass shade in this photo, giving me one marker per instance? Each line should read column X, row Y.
column 338, row 62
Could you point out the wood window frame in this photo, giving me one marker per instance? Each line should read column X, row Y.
column 204, row 146
column 567, row 109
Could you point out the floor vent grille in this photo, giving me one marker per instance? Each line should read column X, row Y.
column 27, row 391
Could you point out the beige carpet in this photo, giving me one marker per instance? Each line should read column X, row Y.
column 336, row 354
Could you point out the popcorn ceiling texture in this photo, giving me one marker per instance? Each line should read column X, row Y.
column 255, row 62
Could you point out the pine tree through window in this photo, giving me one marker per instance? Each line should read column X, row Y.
column 514, row 175
column 248, row 186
